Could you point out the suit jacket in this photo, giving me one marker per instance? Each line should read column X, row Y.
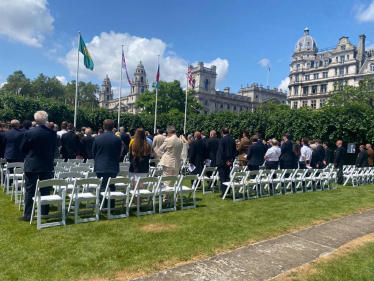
column 287, row 151
column 2, row 146
column 157, row 142
column 328, row 155
column 106, row 150
column 370, row 152
column 172, row 148
column 212, row 148
column 259, row 141
column 243, row 149
column 40, row 145
column 87, row 143
column 321, row 152
column 316, row 159
column 226, row 150
column 255, row 154
column 70, row 144
column 197, row 155
column 339, row 156
column 12, row 142
column 362, row 159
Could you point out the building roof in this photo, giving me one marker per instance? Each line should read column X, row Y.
column 306, row 43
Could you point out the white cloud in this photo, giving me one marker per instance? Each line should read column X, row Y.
column 365, row 15
column 284, row 84
column 62, row 79
column 371, row 46
column 264, row 62
column 105, row 51
column 25, row 21
column 2, row 84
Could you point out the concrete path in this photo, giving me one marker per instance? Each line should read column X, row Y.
column 267, row 259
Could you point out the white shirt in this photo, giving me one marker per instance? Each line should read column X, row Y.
column 305, row 151
column 60, row 133
column 273, row 154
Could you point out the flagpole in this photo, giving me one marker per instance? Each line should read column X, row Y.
column 267, row 81
column 154, row 127
column 76, row 85
column 185, row 105
column 119, row 98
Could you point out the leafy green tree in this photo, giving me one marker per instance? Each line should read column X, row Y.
column 86, row 93
column 170, row 96
column 18, row 84
column 49, row 87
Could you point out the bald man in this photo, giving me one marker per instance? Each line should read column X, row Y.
column 339, row 160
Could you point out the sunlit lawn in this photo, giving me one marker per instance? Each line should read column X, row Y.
column 145, row 244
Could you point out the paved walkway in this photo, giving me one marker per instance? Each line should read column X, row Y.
column 267, row 259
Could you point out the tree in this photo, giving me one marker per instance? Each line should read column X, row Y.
column 17, row 83
column 48, row 87
column 86, row 93
column 170, row 96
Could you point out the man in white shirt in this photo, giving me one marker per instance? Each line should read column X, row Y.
column 64, row 130
column 305, row 154
column 272, row 156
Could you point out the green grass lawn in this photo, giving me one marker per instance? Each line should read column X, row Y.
column 127, row 246
column 354, row 265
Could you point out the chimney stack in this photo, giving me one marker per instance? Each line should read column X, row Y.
column 361, row 50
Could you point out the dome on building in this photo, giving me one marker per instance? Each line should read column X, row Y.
column 106, row 80
column 306, row 43
column 140, row 65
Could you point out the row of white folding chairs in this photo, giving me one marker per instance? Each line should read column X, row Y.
column 358, row 176
column 263, row 183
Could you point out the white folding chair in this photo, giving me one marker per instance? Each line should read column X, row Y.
column 76, row 161
column 309, row 180
column 76, row 197
column 90, row 161
column 70, row 177
column 266, row 180
column 208, row 175
column 318, row 180
column 298, row 179
column 191, row 191
column 81, row 169
column 22, row 192
column 287, row 181
column 18, row 176
column 58, row 170
column 40, row 200
column 2, row 170
column 120, row 197
column 237, row 169
column 65, row 165
column 167, row 194
column 148, row 192
column 277, row 182
column 56, row 160
column 11, row 175
column 236, row 185
column 252, row 185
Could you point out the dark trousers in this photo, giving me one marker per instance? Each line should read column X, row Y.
column 103, row 187
column 30, row 186
column 285, row 164
column 340, row 173
column 271, row 165
column 253, row 167
column 224, row 176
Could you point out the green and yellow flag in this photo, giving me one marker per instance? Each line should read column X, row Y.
column 88, row 62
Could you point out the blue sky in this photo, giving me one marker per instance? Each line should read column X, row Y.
column 40, row 37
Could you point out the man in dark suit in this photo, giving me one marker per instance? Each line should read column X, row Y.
column 339, row 160
column 362, row 158
column 259, row 141
column 70, row 143
column 286, row 152
column 87, row 143
column 106, row 151
column 321, row 152
column 212, row 148
column 197, row 154
column 2, row 146
column 203, row 137
column 39, row 144
column 255, row 154
column 125, row 138
column 327, row 153
column 225, row 158
column 12, row 142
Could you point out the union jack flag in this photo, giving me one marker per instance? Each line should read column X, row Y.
column 190, row 80
column 124, row 67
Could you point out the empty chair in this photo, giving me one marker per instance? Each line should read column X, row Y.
column 2, row 170
column 287, row 181
column 238, row 169
column 124, row 164
column 298, row 179
column 167, row 194
column 90, row 161
column 208, row 175
column 10, row 175
column 318, row 180
column 191, row 191
column 326, row 179
column 55, row 161
column 22, row 192
column 122, row 197
column 309, row 180
column 266, row 180
column 70, row 177
column 277, row 182
column 90, row 175
column 124, row 168
column 77, row 196
column 148, row 192
column 236, row 185
column 252, row 184
column 76, row 161
column 58, row 170
column 157, row 173
column 65, row 165
column 124, row 174
column 16, row 186
column 90, row 165
column 40, row 200
column 80, row 169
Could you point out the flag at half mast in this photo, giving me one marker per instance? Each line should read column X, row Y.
column 88, row 62
column 190, row 80
column 125, row 68
column 157, row 77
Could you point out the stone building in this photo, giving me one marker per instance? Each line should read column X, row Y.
column 204, row 78
column 314, row 72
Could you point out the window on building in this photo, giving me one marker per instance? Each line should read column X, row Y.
column 347, row 70
column 325, row 74
column 314, row 89
column 347, row 57
column 221, row 105
column 342, row 59
column 340, row 85
column 205, row 102
column 313, row 103
column 336, row 59
column 141, row 79
column 107, row 89
column 256, row 96
column 133, row 89
column 324, row 88
column 194, row 83
column 107, row 98
column 241, row 108
column 297, row 78
column 307, row 77
column 346, row 82
column 308, row 65
column 326, row 62
column 228, row 106
column 305, row 90
column 295, row 105
column 322, row 102
column 316, row 76
column 305, row 103
column 234, row 107
column 341, row 71
column 142, row 90
column 317, row 64
column 342, row 47
column 296, row 90
column 372, row 67
column 336, row 72
column 206, row 84
column 298, row 66
column 206, row 112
